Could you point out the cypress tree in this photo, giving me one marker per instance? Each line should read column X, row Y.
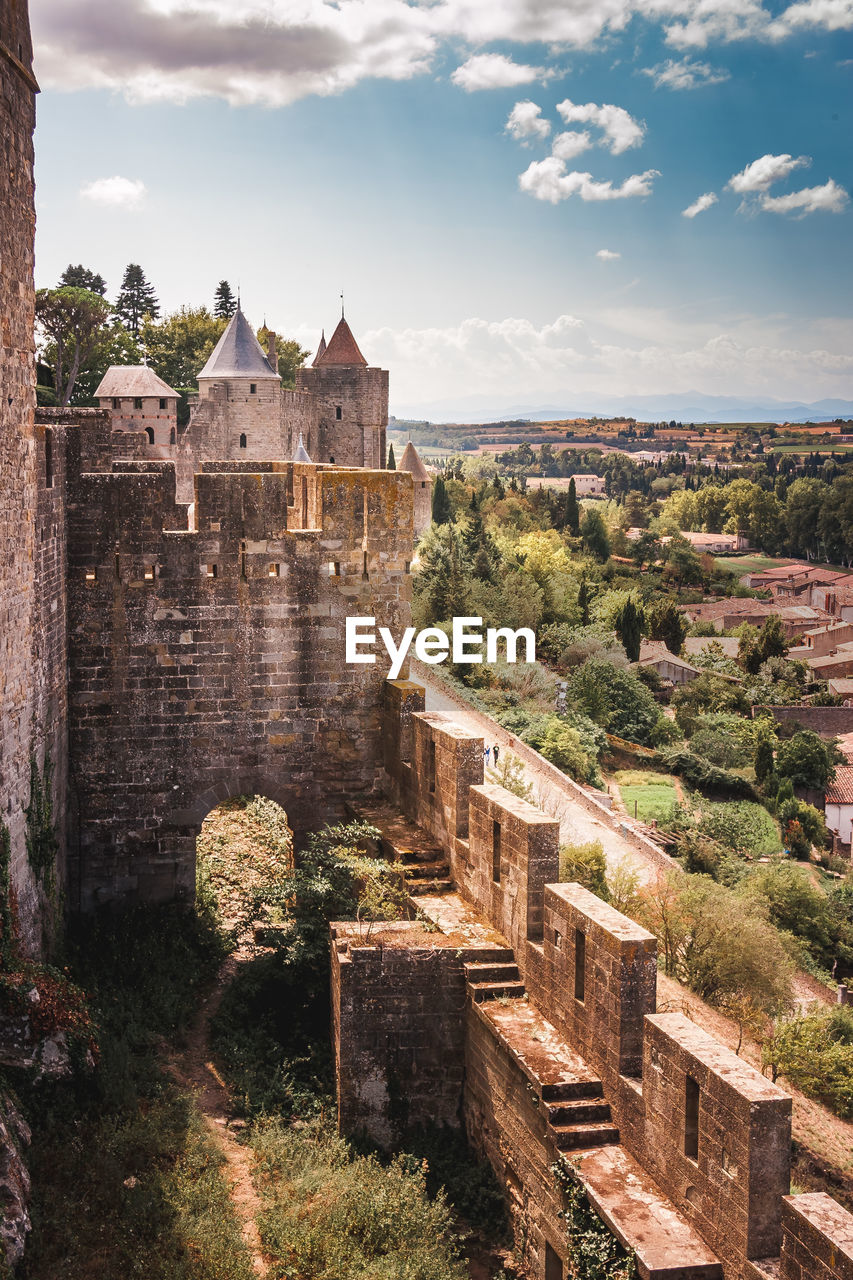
column 583, row 602
column 573, row 517
column 392, row 462
column 629, row 628
column 441, row 509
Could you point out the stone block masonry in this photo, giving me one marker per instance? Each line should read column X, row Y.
column 684, row 1150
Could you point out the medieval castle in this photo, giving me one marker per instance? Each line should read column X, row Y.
column 171, row 629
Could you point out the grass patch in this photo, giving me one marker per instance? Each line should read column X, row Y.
column 331, row 1215
column 653, row 793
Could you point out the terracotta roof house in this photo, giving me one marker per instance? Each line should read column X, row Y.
column 839, row 803
column 668, row 665
column 139, row 400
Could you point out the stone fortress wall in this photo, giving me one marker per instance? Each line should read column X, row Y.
column 682, row 1147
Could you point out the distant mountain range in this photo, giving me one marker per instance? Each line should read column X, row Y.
column 691, row 406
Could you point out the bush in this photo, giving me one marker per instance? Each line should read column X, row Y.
column 745, row 828
column 365, row 1219
column 814, row 1052
column 564, row 747
column 585, row 864
column 616, row 700
column 705, row 777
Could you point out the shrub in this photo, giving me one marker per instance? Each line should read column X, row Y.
column 564, row 747
column 743, row 827
column 585, row 864
column 806, row 760
column 705, row 777
column 814, row 1052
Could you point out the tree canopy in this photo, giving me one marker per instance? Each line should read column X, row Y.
column 73, row 323
column 136, row 299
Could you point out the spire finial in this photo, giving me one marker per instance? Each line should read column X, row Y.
column 342, row 306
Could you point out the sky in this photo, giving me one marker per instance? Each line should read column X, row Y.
column 523, row 201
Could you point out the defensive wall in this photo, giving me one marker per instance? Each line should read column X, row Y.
column 205, row 645
column 540, row 1001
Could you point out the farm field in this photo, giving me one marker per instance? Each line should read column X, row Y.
column 646, row 796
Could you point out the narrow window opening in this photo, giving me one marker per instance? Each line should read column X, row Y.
column 580, row 965
column 304, row 503
column 253, row 388
column 691, row 1119
column 243, row 567
column 272, row 572
column 118, row 565
column 496, row 852
column 364, row 572
column 149, row 431
column 209, row 570
column 331, row 457
column 148, row 573
column 558, row 940
column 116, row 403
column 338, row 412
column 408, row 566
column 137, row 402
column 334, row 569
column 91, row 575
column 48, row 458
column 173, row 437
column 242, row 439
column 553, row 1264
column 431, row 765
column 162, row 402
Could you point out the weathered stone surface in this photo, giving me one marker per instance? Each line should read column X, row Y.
column 14, row 1183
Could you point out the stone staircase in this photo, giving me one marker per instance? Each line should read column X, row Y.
column 422, row 861
column 496, row 978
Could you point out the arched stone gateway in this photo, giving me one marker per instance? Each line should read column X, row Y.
column 207, row 654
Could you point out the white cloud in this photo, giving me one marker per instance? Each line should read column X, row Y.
column 700, row 205
column 607, row 255
column 547, row 180
column 525, row 121
column 684, row 74
column 621, row 130
column 830, row 198
column 766, row 170
column 277, row 51
column 568, row 145
column 117, row 193
column 494, row 71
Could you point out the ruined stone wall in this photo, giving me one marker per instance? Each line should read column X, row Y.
column 27, row 722
column 208, row 661
column 352, row 413
column 399, row 1029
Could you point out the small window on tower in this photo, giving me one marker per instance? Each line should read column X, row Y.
column 242, row 440
column 137, row 402
column 162, row 402
column 116, row 402
column 253, row 388
column 338, row 412
column 173, row 436
column 149, row 431
column 272, row 571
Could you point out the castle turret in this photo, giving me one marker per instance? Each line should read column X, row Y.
column 238, row 376
column 352, row 401
column 422, row 481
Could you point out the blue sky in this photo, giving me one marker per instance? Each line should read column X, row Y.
column 499, row 186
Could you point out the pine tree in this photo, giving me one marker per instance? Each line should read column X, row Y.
column 573, row 517
column 442, row 511
column 81, row 277
column 224, row 302
column 392, row 461
column 136, row 299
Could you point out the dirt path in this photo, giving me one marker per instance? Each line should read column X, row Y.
column 193, row 1069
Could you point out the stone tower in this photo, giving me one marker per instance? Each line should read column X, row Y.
column 352, row 403
column 31, row 704
column 238, row 379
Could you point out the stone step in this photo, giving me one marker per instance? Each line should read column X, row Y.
column 507, row 971
column 638, row 1213
column 567, row 1090
column 573, row 1137
column 429, row 886
column 576, row 1111
column 481, row 991
column 425, row 870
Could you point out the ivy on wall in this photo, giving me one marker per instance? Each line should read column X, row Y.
column 594, row 1252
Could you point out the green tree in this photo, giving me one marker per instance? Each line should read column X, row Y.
column 683, row 566
column 585, row 864
column 757, row 646
column 615, row 699
column 596, row 539
column 81, row 277
column 136, row 299
column 392, row 461
column 177, row 347
column 665, row 621
column 806, row 760
column 442, row 511
column 764, row 759
column 224, row 302
column 583, row 602
column 629, row 629
column 74, row 323
column 572, row 512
